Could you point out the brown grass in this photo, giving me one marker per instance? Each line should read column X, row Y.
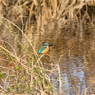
column 24, row 21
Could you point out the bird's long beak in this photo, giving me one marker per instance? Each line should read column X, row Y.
column 50, row 45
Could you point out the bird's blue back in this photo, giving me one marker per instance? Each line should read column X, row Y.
column 42, row 49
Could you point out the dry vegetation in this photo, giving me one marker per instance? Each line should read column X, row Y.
column 25, row 25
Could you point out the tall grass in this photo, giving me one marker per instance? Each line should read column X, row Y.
column 26, row 73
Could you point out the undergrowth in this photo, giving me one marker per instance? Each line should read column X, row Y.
column 24, row 74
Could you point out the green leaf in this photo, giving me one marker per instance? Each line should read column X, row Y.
column 19, row 68
column 2, row 75
column 8, row 89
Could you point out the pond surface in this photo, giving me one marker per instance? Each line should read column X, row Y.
column 71, row 78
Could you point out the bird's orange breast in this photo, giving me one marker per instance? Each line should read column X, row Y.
column 46, row 50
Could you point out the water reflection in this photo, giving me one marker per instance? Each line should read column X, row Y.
column 71, row 80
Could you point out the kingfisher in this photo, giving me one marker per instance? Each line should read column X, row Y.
column 44, row 49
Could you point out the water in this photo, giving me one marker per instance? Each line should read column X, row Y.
column 71, row 80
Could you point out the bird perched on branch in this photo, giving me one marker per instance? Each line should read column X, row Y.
column 44, row 49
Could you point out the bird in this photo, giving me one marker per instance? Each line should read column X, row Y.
column 44, row 49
